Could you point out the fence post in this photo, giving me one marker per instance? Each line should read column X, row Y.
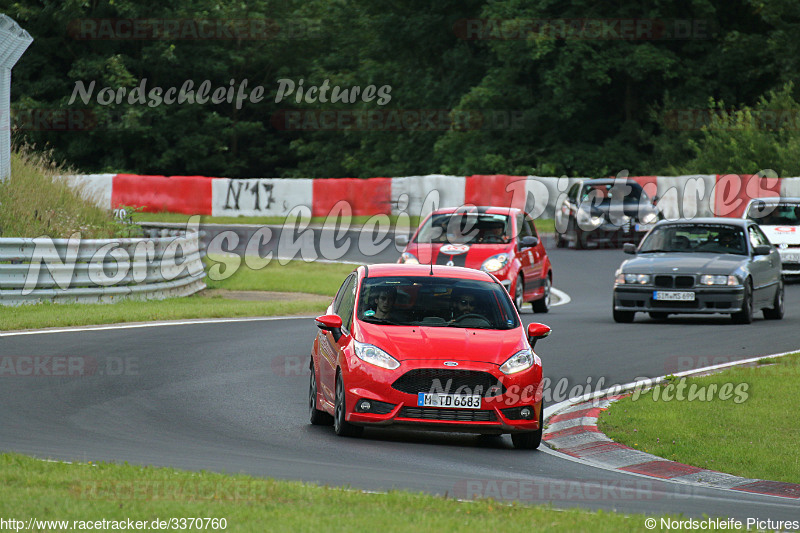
column 13, row 42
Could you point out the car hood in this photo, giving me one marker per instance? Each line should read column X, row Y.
column 684, row 263
column 474, row 256
column 782, row 234
column 405, row 343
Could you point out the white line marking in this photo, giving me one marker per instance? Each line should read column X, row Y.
column 153, row 324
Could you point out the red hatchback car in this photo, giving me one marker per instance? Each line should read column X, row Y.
column 429, row 347
column 499, row 240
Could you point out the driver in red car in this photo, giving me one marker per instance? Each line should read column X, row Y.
column 464, row 303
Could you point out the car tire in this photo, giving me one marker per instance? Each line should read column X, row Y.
column 530, row 440
column 777, row 310
column 341, row 426
column 580, row 244
column 561, row 242
column 519, row 293
column 624, row 317
column 745, row 316
column 658, row 315
column 316, row 417
column 543, row 304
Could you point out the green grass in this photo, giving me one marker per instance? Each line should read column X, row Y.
column 33, row 203
column 46, row 315
column 295, row 276
column 754, row 438
column 60, row 491
column 314, row 278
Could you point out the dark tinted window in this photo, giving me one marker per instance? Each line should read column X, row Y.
column 695, row 238
column 465, row 228
column 439, row 302
column 345, row 301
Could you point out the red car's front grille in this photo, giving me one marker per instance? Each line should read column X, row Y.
column 447, row 381
column 456, row 415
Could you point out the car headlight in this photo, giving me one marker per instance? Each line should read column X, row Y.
column 522, row 360
column 495, row 263
column 650, row 218
column 375, row 356
column 632, row 279
column 585, row 220
column 409, row 259
column 708, row 279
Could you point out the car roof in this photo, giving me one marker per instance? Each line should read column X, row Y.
column 742, row 223
column 775, row 200
column 440, row 271
column 481, row 209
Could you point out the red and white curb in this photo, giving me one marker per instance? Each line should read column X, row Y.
column 572, row 430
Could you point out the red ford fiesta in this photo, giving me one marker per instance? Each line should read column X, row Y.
column 431, row 347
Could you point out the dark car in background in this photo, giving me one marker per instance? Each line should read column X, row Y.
column 706, row 265
column 605, row 211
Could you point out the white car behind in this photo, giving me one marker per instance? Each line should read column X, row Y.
column 779, row 218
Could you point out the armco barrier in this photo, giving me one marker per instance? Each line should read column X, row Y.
column 365, row 197
column 690, row 196
column 100, row 270
column 190, row 195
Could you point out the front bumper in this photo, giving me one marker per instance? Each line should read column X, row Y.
column 612, row 234
column 790, row 261
column 708, row 300
column 498, row 414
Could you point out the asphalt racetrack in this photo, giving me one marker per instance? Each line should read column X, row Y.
column 232, row 396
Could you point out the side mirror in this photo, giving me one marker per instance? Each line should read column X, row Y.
column 332, row 323
column 537, row 331
column 528, row 241
column 629, row 248
column 762, row 249
column 656, row 199
column 401, row 240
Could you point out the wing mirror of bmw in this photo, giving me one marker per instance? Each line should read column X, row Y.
column 528, row 241
column 537, row 331
column 332, row 323
column 629, row 248
column 762, row 249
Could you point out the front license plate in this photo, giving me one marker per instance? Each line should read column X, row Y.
column 456, row 401
column 673, row 296
column 644, row 227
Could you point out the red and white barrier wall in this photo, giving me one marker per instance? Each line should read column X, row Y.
column 679, row 196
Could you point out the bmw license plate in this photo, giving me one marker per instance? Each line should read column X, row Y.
column 456, row 401
column 673, row 296
column 791, row 258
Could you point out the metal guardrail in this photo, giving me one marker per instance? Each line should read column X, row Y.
column 165, row 263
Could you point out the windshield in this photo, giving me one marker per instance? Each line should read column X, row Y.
column 603, row 193
column 438, row 302
column 695, row 238
column 783, row 214
column 465, row 228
